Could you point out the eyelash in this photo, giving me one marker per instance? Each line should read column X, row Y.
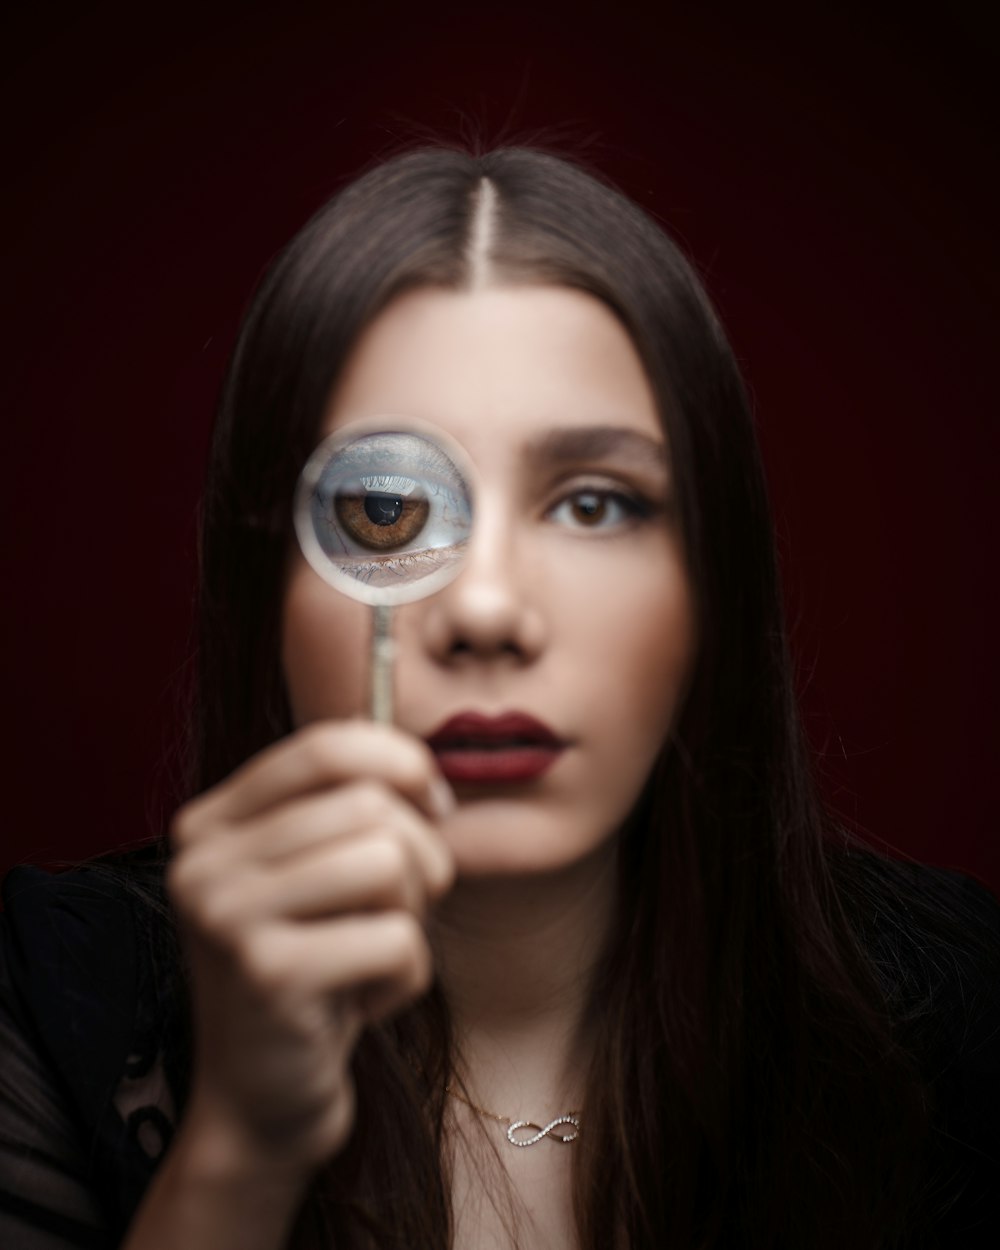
column 364, row 570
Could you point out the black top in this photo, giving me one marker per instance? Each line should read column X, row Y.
column 94, row 1044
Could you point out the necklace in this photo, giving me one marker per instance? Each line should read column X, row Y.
column 536, row 1131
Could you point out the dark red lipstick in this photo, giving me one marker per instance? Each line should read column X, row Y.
column 489, row 750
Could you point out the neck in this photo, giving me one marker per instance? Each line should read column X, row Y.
column 516, row 957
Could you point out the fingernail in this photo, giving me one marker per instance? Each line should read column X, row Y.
column 442, row 798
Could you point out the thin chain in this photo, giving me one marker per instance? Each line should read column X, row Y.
column 502, row 1119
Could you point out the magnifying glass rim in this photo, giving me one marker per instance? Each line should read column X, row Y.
column 362, row 592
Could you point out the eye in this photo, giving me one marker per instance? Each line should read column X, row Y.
column 387, row 497
column 598, row 509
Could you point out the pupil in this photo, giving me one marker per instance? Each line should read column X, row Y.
column 383, row 509
column 590, row 506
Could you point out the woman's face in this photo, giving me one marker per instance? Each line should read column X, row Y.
column 573, row 606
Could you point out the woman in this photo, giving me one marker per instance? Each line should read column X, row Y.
column 583, row 881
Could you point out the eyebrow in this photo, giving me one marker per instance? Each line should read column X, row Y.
column 597, row 442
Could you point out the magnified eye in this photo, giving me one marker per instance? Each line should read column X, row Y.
column 382, row 513
column 388, row 497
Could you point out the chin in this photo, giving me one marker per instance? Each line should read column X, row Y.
column 492, row 837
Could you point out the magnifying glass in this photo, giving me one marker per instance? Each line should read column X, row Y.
column 383, row 513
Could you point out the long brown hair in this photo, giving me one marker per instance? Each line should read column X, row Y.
column 752, row 1085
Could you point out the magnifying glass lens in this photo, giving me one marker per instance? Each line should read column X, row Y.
column 384, row 515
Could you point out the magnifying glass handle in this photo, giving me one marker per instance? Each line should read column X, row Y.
column 381, row 665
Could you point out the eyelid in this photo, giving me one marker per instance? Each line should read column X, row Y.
column 606, row 483
column 389, row 482
column 622, row 471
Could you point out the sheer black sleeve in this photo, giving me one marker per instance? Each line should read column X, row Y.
column 46, row 1200
column 86, row 1109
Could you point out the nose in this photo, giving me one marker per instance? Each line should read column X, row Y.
column 493, row 608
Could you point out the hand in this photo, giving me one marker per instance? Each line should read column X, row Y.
column 301, row 883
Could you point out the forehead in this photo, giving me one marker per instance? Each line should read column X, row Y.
column 497, row 366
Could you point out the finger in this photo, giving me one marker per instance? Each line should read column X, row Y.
column 349, row 812
column 343, row 955
column 329, row 754
column 378, row 872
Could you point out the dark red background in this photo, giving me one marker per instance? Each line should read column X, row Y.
column 830, row 171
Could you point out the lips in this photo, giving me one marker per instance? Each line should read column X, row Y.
column 485, row 750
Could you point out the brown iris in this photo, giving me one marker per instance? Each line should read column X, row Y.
column 379, row 520
column 589, row 507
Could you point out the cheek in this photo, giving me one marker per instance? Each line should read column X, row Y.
column 324, row 649
column 637, row 643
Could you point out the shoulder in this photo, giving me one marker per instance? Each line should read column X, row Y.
column 98, row 902
column 82, row 934
column 933, row 937
column 70, row 949
column 91, row 962
column 926, row 928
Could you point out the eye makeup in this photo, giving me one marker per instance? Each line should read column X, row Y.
column 602, row 509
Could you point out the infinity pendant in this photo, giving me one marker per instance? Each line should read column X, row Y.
column 547, row 1131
